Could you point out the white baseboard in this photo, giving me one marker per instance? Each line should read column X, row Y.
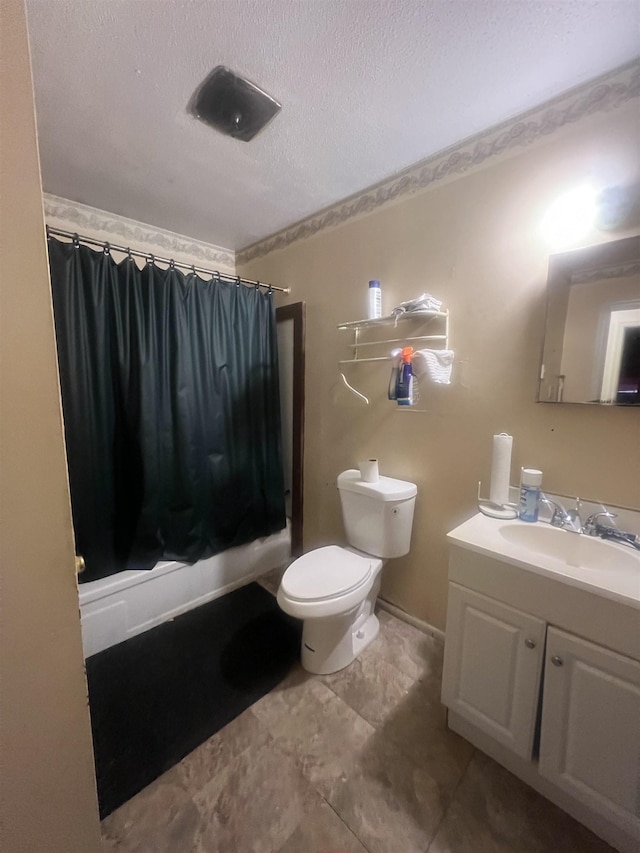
column 425, row 627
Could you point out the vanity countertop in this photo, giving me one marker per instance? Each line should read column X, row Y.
column 605, row 568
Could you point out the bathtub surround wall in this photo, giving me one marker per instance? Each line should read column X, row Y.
column 47, row 782
column 465, row 228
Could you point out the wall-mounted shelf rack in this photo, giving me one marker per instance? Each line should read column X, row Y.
column 417, row 318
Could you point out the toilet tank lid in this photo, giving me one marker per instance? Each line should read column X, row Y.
column 386, row 488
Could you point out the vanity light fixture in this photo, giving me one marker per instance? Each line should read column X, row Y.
column 570, row 217
column 618, row 207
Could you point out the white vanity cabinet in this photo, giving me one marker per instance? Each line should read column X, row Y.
column 493, row 661
column 590, row 735
column 544, row 676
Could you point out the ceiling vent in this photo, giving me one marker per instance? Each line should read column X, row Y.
column 233, row 105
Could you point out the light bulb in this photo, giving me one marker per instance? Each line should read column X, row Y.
column 570, row 217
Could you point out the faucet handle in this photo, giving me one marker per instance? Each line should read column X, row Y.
column 591, row 524
column 558, row 512
column 574, row 514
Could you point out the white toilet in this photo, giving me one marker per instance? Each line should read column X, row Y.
column 334, row 589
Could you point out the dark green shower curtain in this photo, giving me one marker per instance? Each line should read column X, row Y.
column 171, row 408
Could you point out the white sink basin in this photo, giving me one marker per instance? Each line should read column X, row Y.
column 602, row 567
column 572, row 548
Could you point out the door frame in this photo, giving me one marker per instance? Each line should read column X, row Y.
column 296, row 313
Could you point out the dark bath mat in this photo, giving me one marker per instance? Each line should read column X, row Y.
column 157, row 696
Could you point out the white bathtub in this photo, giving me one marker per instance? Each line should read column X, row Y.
column 118, row 607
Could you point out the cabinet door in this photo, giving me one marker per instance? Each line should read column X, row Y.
column 590, row 741
column 492, row 664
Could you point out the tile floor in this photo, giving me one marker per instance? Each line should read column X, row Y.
column 356, row 762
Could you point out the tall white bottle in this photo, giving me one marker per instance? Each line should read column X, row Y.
column 375, row 300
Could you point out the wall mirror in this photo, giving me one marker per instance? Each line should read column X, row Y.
column 591, row 349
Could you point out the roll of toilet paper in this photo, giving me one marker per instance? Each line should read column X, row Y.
column 500, row 469
column 369, row 470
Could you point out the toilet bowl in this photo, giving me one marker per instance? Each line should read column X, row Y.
column 333, row 589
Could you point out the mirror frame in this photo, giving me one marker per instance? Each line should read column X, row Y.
column 567, row 265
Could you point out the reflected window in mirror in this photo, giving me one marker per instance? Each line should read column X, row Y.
column 591, row 349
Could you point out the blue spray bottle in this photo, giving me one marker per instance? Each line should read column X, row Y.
column 405, row 387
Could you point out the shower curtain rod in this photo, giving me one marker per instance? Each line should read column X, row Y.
column 221, row 276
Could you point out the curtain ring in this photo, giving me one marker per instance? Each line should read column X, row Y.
column 76, row 241
column 193, row 269
column 237, row 281
column 270, row 291
column 129, row 255
column 172, row 264
column 216, row 275
column 106, row 248
column 150, row 259
column 257, row 287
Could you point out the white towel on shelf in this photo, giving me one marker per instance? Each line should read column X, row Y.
column 425, row 302
column 434, row 363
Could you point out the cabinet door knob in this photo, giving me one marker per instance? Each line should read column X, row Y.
column 530, row 644
column 556, row 660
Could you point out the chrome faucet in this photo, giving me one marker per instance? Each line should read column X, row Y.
column 593, row 527
column 567, row 519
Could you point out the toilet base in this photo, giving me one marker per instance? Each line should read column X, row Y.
column 331, row 644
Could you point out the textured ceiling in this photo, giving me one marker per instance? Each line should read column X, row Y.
column 367, row 87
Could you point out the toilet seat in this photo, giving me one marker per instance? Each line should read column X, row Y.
column 327, row 582
column 325, row 573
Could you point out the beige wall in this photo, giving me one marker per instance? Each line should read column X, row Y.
column 474, row 242
column 47, row 788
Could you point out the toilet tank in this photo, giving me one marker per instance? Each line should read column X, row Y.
column 377, row 517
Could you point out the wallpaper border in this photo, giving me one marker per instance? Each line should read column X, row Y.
column 74, row 216
column 604, row 93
